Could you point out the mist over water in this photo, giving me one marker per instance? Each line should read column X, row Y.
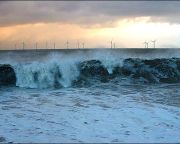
column 98, row 95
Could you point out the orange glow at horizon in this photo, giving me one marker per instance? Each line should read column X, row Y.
column 126, row 33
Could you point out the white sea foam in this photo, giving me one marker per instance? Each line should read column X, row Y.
column 47, row 64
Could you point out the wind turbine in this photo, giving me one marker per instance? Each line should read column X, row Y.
column 23, row 44
column 67, row 44
column 36, row 45
column 146, row 44
column 78, row 44
column 111, row 44
column 54, row 45
column 46, row 44
column 15, row 46
column 154, row 43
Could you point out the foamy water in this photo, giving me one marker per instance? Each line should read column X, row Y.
column 121, row 109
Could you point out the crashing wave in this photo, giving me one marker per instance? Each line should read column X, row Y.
column 57, row 75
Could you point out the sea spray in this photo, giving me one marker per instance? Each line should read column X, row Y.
column 64, row 68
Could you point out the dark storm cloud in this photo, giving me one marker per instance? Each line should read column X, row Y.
column 87, row 12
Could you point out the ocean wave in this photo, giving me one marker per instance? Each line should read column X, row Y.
column 59, row 74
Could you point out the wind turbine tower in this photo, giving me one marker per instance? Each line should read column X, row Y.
column 54, row 45
column 67, row 44
column 154, row 43
column 146, row 44
column 46, row 44
column 78, row 44
column 23, row 44
column 111, row 44
column 36, row 45
column 15, row 46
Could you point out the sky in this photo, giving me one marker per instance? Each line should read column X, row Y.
column 94, row 24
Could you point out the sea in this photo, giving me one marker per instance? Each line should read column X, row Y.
column 90, row 96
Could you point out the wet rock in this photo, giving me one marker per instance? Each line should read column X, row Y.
column 178, row 64
column 156, row 70
column 7, row 75
column 144, row 74
column 117, row 71
column 93, row 68
column 141, row 70
column 152, row 63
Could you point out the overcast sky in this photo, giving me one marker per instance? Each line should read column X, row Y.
column 86, row 16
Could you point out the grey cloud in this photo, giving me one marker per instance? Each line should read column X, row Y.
column 85, row 12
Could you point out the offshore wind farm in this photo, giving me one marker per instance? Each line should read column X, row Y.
column 89, row 72
column 78, row 45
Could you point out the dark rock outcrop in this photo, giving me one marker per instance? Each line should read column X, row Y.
column 153, row 71
column 7, row 75
column 93, row 69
